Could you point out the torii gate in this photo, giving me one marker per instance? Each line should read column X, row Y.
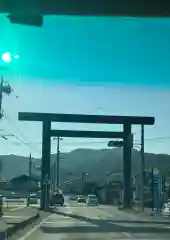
column 47, row 133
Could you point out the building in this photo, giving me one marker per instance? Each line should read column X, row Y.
column 4, row 185
column 109, row 192
column 23, row 182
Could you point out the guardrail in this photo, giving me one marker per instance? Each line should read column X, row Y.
column 14, row 200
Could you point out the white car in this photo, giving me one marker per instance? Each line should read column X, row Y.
column 81, row 199
column 92, row 200
column 32, row 198
column 166, row 210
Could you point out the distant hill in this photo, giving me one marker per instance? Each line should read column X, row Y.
column 99, row 164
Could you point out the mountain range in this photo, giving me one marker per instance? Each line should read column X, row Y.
column 98, row 164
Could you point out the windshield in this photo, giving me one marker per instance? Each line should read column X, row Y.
column 32, row 195
column 81, row 196
column 84, row 110
column 58, row 195
column 92, row 197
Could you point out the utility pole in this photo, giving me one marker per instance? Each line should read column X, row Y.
column 82, row 181
column 142, row 168
column 3, row 89
column 58, row 161
column 30, row 175
column 83, row 174
column 54, row 177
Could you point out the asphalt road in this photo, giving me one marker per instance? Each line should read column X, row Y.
column 77, row 221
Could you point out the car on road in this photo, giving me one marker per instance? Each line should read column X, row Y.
column 73, row 197
column 32, row 198
column 166, row 209
column 57, row 198
column 81, row 199
column 92, row 200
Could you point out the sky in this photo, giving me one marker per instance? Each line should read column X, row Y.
column 86, row 65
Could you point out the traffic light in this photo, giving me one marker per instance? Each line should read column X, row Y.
column 115, row 144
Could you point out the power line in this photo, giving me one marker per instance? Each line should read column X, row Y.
column 31, row 144
column 101, row 142
column 84, row 143
column 26, row 140
column 94, row 142
column 26, row 143
column 155, row 139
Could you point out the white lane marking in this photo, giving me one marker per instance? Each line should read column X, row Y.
column 33, row 229
column 67, row 208
column 128, row 235
column 8, row 216
column 41, row 223
column 17, row 208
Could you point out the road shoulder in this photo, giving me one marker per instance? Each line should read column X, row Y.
column 11, row 222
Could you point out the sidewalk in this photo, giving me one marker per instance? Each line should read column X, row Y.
column 14, row 220
column 12, row 208
column 19, row 215
column 146, row 215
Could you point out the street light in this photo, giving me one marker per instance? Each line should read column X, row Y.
column 83, row 174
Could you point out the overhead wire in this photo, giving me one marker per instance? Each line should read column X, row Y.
column 30, row 144
column 137, row 141
column 26, row 141
column 101, row 142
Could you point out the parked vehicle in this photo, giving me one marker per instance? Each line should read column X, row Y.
column 92, row 200
column 81, row 199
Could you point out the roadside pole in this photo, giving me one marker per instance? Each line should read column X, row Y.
column 152, row 189
column 54, row 178
column 29, row 184
column 142, row 168
column 1, row 90
column 82, row 181
column 46, row 195
column 58, row 161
